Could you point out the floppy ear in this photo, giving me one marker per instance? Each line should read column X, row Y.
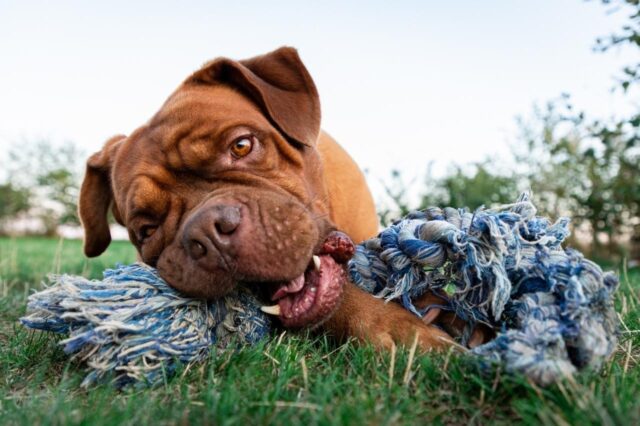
column 96, row 198
column 278, row 83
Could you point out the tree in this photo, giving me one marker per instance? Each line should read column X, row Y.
column 476, row 186
column 545, row 157
column 581, row 168
column 622, row 138
column 13, row 201
column 51, row 174
column 472, row 189
column 628, row 36
column 584, row 167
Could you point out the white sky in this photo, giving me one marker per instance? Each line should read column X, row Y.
column 401, row 83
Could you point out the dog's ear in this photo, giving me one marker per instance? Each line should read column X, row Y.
column 96, row 197
column 279, row 83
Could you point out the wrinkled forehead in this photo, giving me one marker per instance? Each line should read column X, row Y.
column 202, row 110
column 181, row 135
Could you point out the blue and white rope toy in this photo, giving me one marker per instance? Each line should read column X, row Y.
column 505, row 268
column 552, row 308
column 134, row 327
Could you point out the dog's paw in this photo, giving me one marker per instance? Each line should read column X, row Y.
column 395, row 326
column 449, row 321
column 384, row 325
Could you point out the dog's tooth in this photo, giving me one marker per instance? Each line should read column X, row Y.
column 271, row 310
column 316, row 262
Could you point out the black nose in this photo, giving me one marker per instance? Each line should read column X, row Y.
column 210, row 230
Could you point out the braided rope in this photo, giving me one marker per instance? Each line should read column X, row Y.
column 506, row 269
column 134, row 327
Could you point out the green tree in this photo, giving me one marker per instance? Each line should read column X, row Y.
column 480, row 186
column 583, row 168
column 621, row 138
column 628, row 36
column 13, row 201
column 52, row 175
column 475, row 187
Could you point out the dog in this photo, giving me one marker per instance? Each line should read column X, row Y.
column 232, row 182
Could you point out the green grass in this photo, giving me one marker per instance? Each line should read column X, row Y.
column 290, row 379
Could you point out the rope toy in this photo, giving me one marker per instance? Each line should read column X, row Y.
column 505, row 268
column 134, row 326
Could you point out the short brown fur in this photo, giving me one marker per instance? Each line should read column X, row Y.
column 295, row 186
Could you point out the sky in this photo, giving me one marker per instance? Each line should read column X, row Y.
column 401, row 83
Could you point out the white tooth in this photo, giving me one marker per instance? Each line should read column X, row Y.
column 316, row 262
column 272, row 310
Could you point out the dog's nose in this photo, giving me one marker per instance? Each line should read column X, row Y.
column 210, row 230
column 226, row 219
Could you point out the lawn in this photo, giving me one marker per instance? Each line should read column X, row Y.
column 290, row 379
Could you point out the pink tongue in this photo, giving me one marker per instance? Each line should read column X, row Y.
column 294, row 286
column 311, row 297
column 316, row 299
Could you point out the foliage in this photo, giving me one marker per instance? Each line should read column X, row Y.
column 50, row 175
column 628, row 36
column 472, row 189
column 584, row 168
column 13, row 201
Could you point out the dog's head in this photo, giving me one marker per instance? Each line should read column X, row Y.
column 224, row 185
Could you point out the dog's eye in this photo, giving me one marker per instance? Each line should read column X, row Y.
column 146, row 231
column 242, row 146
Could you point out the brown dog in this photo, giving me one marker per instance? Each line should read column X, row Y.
column 233, row 183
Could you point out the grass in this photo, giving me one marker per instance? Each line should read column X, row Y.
column 290, row 379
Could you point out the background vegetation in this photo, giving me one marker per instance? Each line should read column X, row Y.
column 40, row 188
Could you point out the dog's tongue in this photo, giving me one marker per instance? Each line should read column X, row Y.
column 292, row 286
column 309, row 299
column 316, row 297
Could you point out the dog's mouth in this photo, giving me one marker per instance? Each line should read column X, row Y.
column 310, row 298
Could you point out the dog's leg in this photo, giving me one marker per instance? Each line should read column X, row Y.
column 384, row 325
column 450, row 322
